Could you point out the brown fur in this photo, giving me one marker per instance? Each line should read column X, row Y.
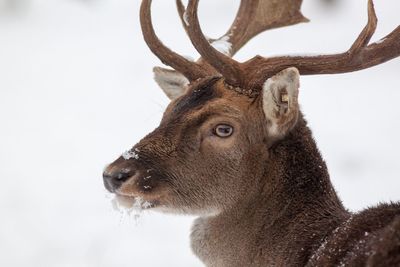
column 262, row 194
column 261, row 200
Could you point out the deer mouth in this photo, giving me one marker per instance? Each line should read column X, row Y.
column 131, row 196
column 134, row 195
column 136, row 203
column 135, row 183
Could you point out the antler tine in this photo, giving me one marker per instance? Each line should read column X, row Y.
column 360, row 56
column 229, row 68
column 368, row 31
column 256, row 16
column 183, row 17
column 189, row 69
column 253, row 17
column 181, row 11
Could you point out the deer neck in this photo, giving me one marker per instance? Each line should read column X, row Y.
column 294, row 209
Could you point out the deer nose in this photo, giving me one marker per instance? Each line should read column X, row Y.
column 114, row 179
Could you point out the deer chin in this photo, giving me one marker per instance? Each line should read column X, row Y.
column 129, row 199
column 133, row 202
column 132, row 195
column 210, row 212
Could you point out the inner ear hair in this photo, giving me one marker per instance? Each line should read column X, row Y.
column 285, row 98
column 280, row 103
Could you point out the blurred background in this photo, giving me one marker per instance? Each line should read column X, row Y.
column 76, row 90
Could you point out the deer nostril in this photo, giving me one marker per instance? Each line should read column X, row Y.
column 113, row 181
column 124, row 174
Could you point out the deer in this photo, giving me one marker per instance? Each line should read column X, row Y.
column 234, row 149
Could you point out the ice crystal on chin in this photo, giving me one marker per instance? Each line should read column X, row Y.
column 129, row 154
column 131, row 206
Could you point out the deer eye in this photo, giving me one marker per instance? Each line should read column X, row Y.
column 223, row 130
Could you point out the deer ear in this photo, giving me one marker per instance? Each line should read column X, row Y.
column 173, row 83
column 280, row 101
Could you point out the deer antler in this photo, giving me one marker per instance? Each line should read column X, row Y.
column 253, row 73
column 360, row 56
column 189, row 69
column 229, row 68
column 253, row 17
column 258, row 16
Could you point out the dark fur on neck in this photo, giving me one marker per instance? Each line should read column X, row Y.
column 296, row 218
column 294, row 209
column 301, row 206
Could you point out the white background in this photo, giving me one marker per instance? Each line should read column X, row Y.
column 76, row 90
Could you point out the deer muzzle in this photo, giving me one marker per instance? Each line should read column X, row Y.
column 113, row 177
column 127, row 176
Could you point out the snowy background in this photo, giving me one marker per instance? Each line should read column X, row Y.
column 76, row 90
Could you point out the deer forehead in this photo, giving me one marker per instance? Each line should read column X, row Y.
column 211, row 95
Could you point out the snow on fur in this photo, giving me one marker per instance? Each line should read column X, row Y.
column 223, row 45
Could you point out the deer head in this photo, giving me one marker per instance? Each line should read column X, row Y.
column 209, row 150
